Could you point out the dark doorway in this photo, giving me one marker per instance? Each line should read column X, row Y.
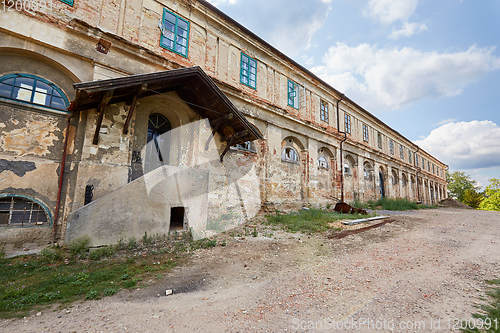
column 157, row 151
column 177, row 218
column 382, row 187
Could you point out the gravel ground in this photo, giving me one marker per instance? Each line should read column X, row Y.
column 424, row 271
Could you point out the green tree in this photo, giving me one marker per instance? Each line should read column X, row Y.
column 472, row 198
column 492, row 196
column 458, row 182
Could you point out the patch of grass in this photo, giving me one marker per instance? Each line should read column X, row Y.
column 79, row 247
column 31, row 282
column 147, row 240
column 132, row 244
column 204, row 243
column 102, row 252
column 488, row 314
column 51, row 254
column 309, row 221
column 389, row 204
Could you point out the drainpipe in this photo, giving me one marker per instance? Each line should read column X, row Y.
column 341, row 151
column 61, row 178
column 418, row 169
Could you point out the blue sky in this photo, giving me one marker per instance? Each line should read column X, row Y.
column 430, row 69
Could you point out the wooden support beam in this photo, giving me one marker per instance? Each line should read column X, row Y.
column 232, row 140
column 131, row 108
column 217, row 125
column 100, row 114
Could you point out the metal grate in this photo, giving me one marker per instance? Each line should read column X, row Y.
column 20, row 212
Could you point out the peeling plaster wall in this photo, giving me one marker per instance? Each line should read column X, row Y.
column 58, row 47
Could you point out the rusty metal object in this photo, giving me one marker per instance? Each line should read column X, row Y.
column 344, row 208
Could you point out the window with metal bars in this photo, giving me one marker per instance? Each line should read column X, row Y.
column 379, row 140
column 31, row 89
column 174, row 33
column 323, row 111
column 17, row 211
column 401, row 152
column 365, row 133
column 248, row 71
column 391, row 147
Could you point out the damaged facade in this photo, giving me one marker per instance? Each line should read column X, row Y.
column 80, row 156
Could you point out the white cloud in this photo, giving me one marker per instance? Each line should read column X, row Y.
column 217, row 3
column 445, row 121
column 469, row 145
column 408, row 29
column 389, row 11
column 392, row 77
column 288, row 25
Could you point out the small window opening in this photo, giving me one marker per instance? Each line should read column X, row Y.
column 89, row 194
column 177, row 218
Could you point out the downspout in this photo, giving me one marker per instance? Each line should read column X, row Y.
column 341, row 151
column 61, row 178
column 418, row 169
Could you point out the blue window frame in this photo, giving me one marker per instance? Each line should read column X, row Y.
column 32, row 89
column 174, row 33
column 68, row 2
column 248, row 71
column 347, row 123
column 293, row 94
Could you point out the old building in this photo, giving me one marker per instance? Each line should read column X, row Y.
column 124, row 117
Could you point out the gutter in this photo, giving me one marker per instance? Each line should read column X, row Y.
column 60, row 182
column 418, row 170
column 341, row 151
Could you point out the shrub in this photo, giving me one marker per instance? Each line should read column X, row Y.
column 79, row 246
column 103, row 252
column 132, row 244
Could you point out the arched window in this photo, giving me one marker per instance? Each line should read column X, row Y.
column 367, row 171
column 323, row 162
column 158, row 125
column 32, row 89
column 395, row 178
column 20, row 211
column 289, row 154
column 347, row 169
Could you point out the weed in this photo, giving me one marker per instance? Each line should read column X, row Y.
column 204, row 243
column 102, row 252
column 308, row 221
column 92, row 294
column 147, row 240
column 110, row 291
column 132, row 244
column 121, row 245
column 254, row 232
column 51, row 255
column 79, row 246
column 488, row 314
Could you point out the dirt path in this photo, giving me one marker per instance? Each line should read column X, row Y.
column 421, row 270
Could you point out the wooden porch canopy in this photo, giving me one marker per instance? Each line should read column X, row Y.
column 192, row 85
